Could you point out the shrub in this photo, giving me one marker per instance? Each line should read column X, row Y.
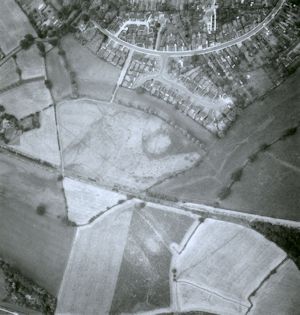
column 289, row 132
column 224, row 193
column 48, row 84
column 264, row 147
column 253, row 157
column 237, row 174
column 41, row 209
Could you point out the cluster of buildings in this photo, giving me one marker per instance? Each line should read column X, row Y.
column 140, row 67
column 42, row 14
column 98, row 43
column 11, row 128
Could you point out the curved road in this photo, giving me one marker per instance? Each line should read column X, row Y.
column 217, row 47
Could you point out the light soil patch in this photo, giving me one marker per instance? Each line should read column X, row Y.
column 225, row 261
column 26, row 99
column 86, row 201
column 31, row 63
column 92, row 272
column 41, row 143
column 13, row 25
column 280, row 294
column 8, row 74
column 104, row 141
column 158, row 144
column 38, row 245
column 95, row 77
column 58, row 75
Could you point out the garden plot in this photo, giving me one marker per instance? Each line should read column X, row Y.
column 26, row 99
column 58, row 75
column 13, row 25
column 8, row 74
column 110, row 143
column 95, row 77
column 38, row 244
column 31, row 63
column 280, row 294
column 222, row 264
column 88, row 288
column 42, row 142
column 86, row 201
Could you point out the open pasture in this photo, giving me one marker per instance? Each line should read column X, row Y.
column 111, row 143
column 8, row 74
column 41, row 143
column 95, row 77
column 13, row 25
column 58, row 75
column 26, row 99
column 31, row 63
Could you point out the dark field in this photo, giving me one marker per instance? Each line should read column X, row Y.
column 36, row 244
column 143, row 282
column 270, row 185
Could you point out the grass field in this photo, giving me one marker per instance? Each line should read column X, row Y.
column 280, row 294
column 110, row 143
column 42, row 142
column 221, row 265
column 8, row 74
column 13, row 25
column 38, row 245
column 89, row 288
column 26, row 99
column 58, row 75
column 143, row 282
column 260, row 123
column 31, row 63
column 95, row 77
column 85, row 201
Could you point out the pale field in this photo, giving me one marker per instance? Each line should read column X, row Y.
column 88, row 288
column 13, row 25
column 107, row 142
column 280, row 294
column 95, row 77
column 229, row 264
column 86, row 201
column 193, row 298
column 38, row 245
column 26, row 99
column 41, row 143
column 8, row 74
column 58, row 75
column 31, row 63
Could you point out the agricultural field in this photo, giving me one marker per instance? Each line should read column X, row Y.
column 88, row 288
column 31, row 63
column 119, row 145
column 47, row 239
column 279, row 295
column 58, row 75
column 13, row 25
column 219, row 275
column 95, row 77
column 26, row 99
column 143, row 282
column 86, row 201
column 262, row 122
column 41, row 143
column 8, row 74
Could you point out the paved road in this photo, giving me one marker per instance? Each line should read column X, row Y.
column 9, row 55
column 217, row 47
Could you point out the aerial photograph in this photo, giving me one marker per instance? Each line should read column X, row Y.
column 149, row 157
